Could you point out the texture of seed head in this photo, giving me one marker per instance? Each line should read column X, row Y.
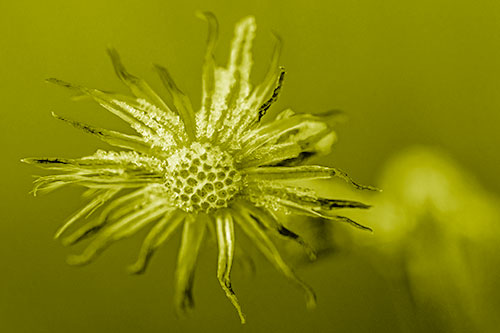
column 201, row 178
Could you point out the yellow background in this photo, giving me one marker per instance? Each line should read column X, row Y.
column 406, row 72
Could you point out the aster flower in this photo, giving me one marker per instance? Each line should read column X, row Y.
column 201, row 171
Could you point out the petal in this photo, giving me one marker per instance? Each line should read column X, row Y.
column 208, row 76
column 295, row 173
column 113, row 211
column 274, row 97
column 322, row 212
column 192, row 237
column 159, row 234
column 270, row 222
column 101, row 170
column 129, row 160
column 101, row 160
column 302, row 172
column 245, row 109
column 114, row 232
column 114, row 138
column 46, row 184
column 270, row 84
column 99, row 199
column 232, row 84
column 180, row 101
column 294, row 127
column 271, row 155
column 309, row 132
column 163, row 134
column 97, row 180
column 225, row 239
column 137, row 86
column 268, row 249
column 301, row 201
column 240, row 60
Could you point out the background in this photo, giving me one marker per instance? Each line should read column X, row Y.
column 405, row 72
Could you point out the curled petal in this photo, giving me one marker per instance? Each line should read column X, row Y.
column 100, row 198
column 232, row 85
column 274, row 97
column 266, row 246
column 260, row 93
column 267, row 85
column 319, row 212
column 158, row 235
column 113, row 211
column 192, row 237
column 138, row 86
column 180, row 101
column 269, row 221
column 115, row 232
column 225, row 239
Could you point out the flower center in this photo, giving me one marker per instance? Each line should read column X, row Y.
column 202, row 178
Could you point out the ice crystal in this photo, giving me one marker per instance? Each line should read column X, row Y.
column 203, row 170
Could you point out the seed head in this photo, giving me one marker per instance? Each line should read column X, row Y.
column 202, row 178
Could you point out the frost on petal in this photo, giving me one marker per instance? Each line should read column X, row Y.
column 181, row 102
column 309, row 132
column 271, row 155
column 294, row 173
column 262, row 96
column 142, row 119
column 96, row 180
column 103, row 170
column 289, row 126
column 105, row 161
column 208, row 75
column 114, row 138
column 229, row 105
column 232, row 84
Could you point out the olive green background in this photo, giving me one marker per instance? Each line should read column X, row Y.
column 406, row 72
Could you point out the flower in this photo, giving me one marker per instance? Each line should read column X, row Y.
column 199, row 171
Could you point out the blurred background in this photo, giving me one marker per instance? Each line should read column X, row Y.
column 419, row 82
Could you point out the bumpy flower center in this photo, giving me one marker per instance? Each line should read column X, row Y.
column 202, row 178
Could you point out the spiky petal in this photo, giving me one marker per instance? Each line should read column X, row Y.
column 214, row 168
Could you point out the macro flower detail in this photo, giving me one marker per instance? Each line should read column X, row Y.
column 204, row 171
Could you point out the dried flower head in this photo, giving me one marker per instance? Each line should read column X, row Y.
column 199, row 171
